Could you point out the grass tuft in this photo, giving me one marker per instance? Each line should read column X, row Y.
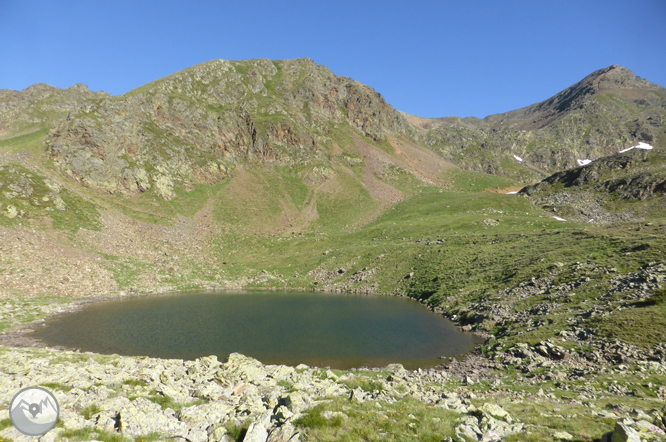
column 135, row 382
column 90, row 410
column 56, row 386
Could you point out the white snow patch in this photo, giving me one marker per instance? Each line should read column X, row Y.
column 583, row 162
column 511, row 193
column 520, row 160
column 558, row 218
column 641, row 145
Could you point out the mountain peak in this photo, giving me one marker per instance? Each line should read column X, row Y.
column 80, row 87
column 40, row 88
column 616, row 77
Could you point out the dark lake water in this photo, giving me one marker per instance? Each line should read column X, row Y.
column 340, row 331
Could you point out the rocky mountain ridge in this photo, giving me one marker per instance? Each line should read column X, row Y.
column 197, row 124
column 39, row 105
column 609, row 110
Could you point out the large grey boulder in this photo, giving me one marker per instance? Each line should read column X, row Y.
column 296, row 401
column 256, row 433
column 242, row 368
column 624, row 433
column 285, row 433
column 144, row 417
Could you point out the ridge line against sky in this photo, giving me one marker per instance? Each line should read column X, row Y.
column 427, row 58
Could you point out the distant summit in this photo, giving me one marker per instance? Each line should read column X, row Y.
column 615, row 80
column 609, row 110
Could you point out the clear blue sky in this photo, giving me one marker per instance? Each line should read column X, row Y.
column 429, row 58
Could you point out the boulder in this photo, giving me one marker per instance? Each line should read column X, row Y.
column 497, row 412
column 282, row 414
column 256, row 433
column 359, row 395
column 201, row 416
column 285, row 433
column 71, row 420
column 328, row 414
column 144, row 417
column 296, row 401
column 624, row 433
column 242, row 368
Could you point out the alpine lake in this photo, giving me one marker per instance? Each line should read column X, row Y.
column 317, row 329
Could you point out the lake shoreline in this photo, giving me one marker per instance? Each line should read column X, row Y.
column 501, row 379
column 20, row 335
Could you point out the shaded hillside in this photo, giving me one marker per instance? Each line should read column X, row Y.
column 622, row 187
column 609, row 110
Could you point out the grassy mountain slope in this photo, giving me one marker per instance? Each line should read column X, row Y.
column 297, row 146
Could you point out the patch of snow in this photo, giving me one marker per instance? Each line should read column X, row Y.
column 558, row 218
column 511, row 193
column 520, row 160
column 583, row 162
column 641, row 145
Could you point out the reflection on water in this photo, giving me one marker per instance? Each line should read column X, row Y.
column 340, row 331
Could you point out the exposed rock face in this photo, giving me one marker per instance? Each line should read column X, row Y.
column 609, row 110
column 196, row 124
column 624, row 433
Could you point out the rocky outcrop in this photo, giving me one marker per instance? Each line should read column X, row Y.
column 24, row 193
column 630, row 430
column 501, row 313
column 40, row 106
column 632, row 175
column 590, row 193
column 487, row 423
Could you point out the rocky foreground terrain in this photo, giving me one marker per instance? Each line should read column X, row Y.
column 241, row 399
